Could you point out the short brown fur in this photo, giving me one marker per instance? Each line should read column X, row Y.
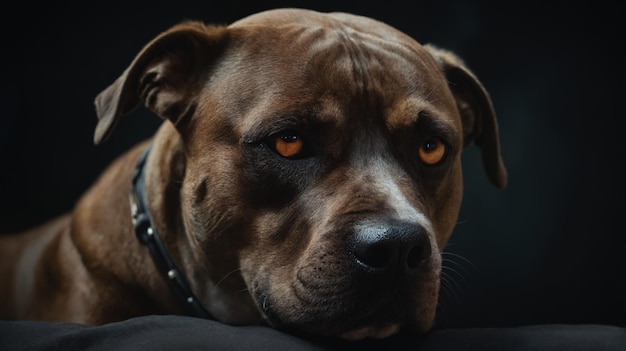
column 263, row 239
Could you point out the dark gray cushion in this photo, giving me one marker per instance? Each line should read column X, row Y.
column 186, row 333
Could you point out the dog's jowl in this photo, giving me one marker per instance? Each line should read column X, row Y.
column 306, row 176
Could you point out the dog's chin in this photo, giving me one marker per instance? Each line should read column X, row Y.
column 371, row 332
column 350, row 334
column 370, row 327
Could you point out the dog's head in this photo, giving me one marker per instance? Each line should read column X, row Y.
column 322, row 171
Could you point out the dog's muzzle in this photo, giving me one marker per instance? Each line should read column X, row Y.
column 379, row 277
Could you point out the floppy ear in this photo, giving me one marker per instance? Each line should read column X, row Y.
column 477, row 113
column 166, row 76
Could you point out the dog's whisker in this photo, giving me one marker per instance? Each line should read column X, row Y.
column 454, row 255
column 463, row 221
column 450, row 286
column 226, row 276
column 456, row 272
column 446, row 295
column 266, row 309
column 442, row 306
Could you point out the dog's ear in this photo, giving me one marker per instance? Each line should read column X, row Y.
column 166, row 76
column 477, row 114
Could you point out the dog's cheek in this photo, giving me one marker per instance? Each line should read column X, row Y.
column 277, row 241
column 214, row 214
column 267, row 285
column 285, row 241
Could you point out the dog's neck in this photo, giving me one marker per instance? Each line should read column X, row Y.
column 147, row 235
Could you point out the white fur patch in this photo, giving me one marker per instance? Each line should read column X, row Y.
column 383, row 174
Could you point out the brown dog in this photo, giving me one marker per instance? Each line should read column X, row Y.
column 307, row 176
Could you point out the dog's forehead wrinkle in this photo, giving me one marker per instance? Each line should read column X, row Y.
column 285, row 19
column 352, row 45
column 360, row 81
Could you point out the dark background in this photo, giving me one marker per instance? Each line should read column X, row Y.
column 550, row 248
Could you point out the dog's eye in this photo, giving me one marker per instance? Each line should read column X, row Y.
column 287, row 144
column 432, row 151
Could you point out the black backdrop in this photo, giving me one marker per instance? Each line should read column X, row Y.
column 550, row 248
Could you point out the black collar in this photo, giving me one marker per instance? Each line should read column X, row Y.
column 148, row 236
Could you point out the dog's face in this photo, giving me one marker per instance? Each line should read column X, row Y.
column 323, row 171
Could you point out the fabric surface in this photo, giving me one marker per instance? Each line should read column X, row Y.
column 187, row 333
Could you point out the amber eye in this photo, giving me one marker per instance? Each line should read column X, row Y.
column 432, row 151
column 288, row 144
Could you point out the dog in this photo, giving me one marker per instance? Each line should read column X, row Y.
column 306, row 176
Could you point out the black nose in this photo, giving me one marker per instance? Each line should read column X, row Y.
column 390, row 246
